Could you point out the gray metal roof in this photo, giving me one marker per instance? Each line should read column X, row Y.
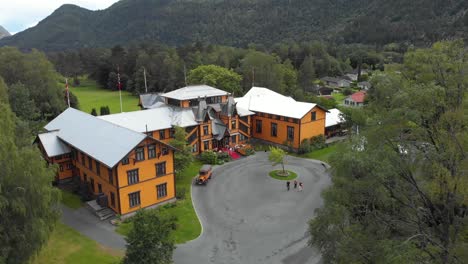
column 194, row 92
column 153, row 119
column 218, row 129
column 148, row 101
column 53, row 146
column 102, row 140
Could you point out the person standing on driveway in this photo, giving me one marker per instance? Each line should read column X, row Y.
column 287, row 185
column 300, row 186
column 295, row 184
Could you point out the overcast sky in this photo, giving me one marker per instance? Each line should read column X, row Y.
column 18, row 15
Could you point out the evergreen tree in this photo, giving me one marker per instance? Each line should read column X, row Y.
column 93, row 112
column 183, row 155
column 307, row 74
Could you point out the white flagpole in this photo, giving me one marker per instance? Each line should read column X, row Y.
column 120, row 88
column 144, row 75
column 68, row 93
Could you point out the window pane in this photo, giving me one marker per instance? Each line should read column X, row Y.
column 161, row 190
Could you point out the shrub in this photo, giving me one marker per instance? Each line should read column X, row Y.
column 93, row 112
column 223, row 156
column 180, row 193
column 76, row 81
column 317, row 142
column 209, row 157
column 249, row 151
column 305, row 146
column 347, row 91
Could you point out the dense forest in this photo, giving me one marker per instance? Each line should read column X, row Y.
column 400, row 189
column 291, row 69
column 239, row 23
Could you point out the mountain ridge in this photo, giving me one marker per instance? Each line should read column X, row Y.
column 243, row 22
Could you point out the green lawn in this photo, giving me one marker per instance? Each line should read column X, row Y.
column 274, row 174
column 90, row 96
column 71, row 200
column 67, row 246
column 188, row 225
column 339, row 97
column 321, row 154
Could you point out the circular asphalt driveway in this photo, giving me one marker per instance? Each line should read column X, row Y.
column 249, row 217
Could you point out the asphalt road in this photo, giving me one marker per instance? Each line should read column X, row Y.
column 248, row 217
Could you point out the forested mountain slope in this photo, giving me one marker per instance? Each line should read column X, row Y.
column 240, row 22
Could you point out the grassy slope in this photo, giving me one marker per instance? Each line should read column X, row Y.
column 90, row 96
column 71, row 200
column 68, row 246
column 321, row 154
column 188, row 225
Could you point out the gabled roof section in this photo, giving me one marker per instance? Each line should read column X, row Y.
column 333, row 117
column 201, row 110
column 229, row 107
column 149, row 101
column 358, row 97
column 153, row 119
column 53, row 146
column 194, row 92
column 102, row 140
column 218, row 129
column 264, row 100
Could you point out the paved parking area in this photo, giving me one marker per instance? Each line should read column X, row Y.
column 86, row 223
column 248, row 217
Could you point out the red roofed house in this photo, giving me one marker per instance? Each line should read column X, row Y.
column 356, row 99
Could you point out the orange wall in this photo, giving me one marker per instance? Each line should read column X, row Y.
column 147, row 179
column 64, row 170
column 282, row 125
column 102, row 178
column 311, row 128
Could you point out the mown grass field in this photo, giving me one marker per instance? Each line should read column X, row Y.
column 188, row 225
column 321, row 154
column 71, row 200
column 67, row 246
column 90, row 96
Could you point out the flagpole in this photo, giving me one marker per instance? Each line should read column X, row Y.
column 68, row 93
column 120, row 88
column 144, row 75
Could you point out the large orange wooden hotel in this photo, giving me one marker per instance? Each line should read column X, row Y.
column 127, row 159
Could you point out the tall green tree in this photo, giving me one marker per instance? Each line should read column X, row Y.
column 218, row 77
column 277, row 156
column 28, row 202
column 148, row 241
column 37, row 75
column 400, row 190
column 307, row 74
column 183, row 155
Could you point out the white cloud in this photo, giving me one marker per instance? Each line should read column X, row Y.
column 18, row 15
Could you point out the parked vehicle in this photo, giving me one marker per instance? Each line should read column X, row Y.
column 204, row 174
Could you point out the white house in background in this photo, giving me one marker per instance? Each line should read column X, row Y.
column 364, row 85
column 336, row 82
